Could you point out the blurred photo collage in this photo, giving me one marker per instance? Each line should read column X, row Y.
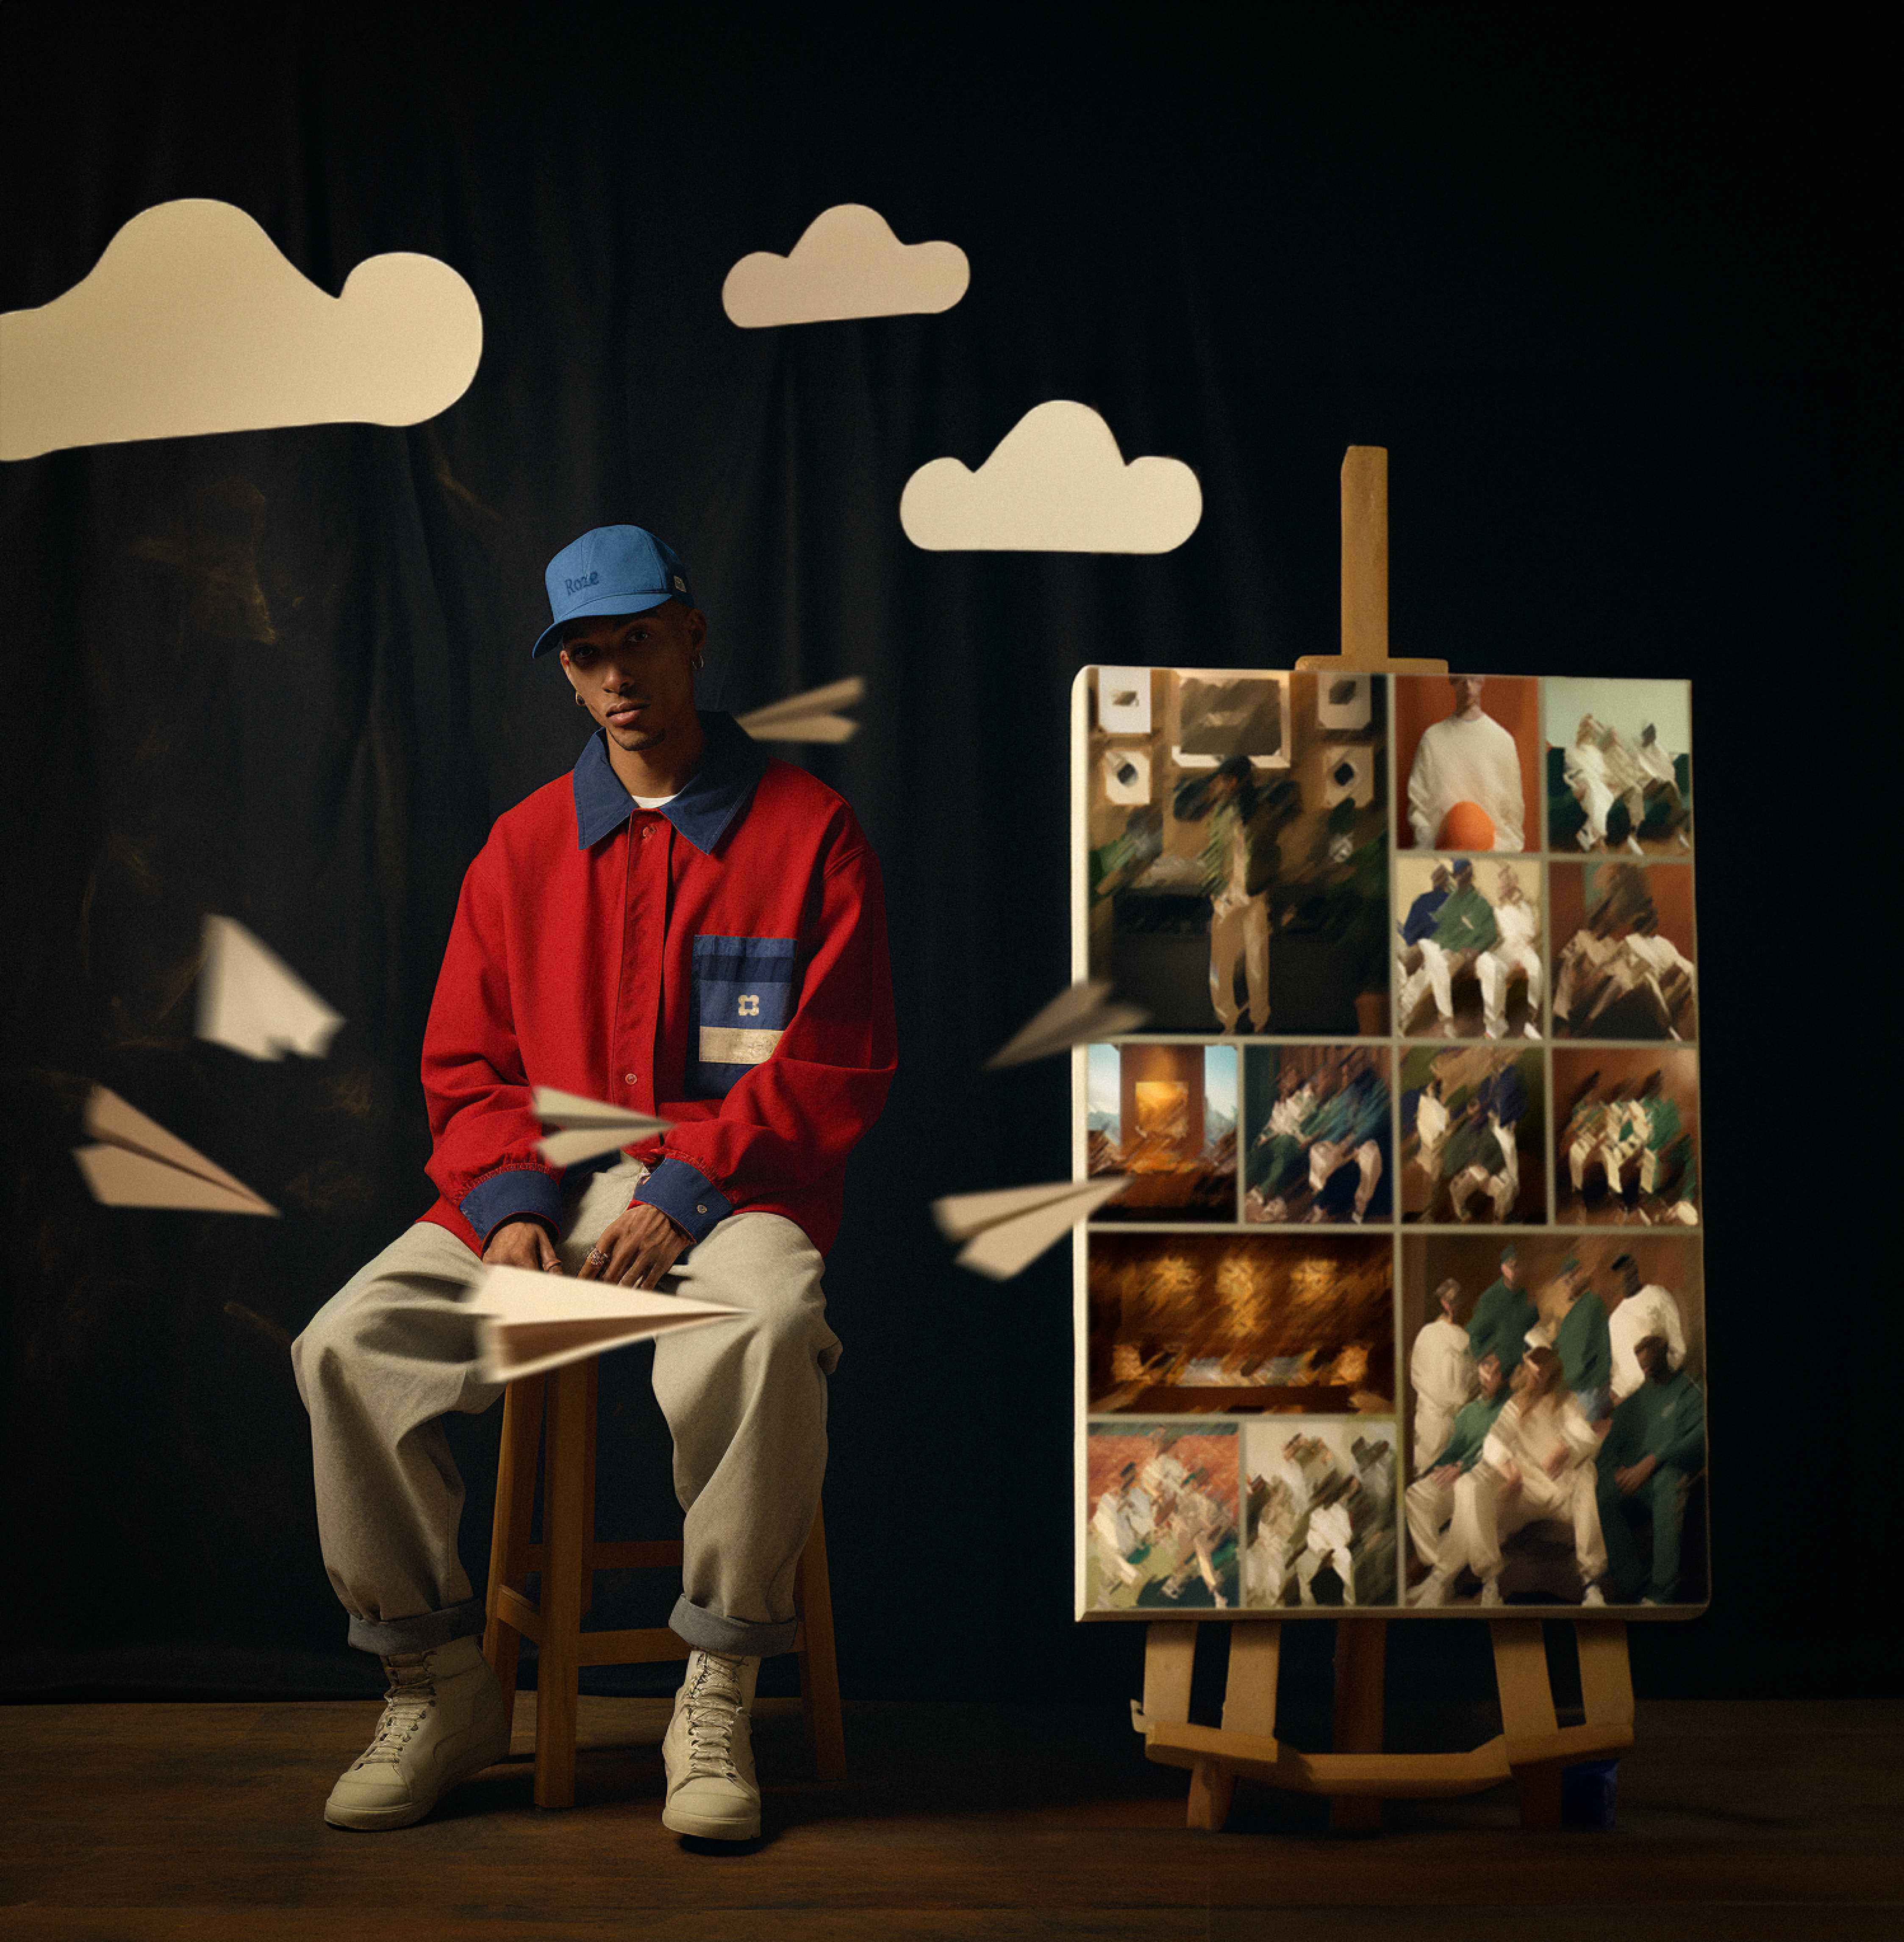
column 1401, row 1304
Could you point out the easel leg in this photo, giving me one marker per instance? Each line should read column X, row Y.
column 1606, row 1679
column 1361, row 1656
column 1520, row 1670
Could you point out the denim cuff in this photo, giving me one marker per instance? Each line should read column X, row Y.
column 503, row 1196
column 686, row 1197
column 708, row 1631
column 386, row 1637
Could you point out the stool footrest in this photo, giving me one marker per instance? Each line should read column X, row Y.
column 658, row 1554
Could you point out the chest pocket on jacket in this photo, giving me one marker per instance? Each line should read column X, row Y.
column 743, row 999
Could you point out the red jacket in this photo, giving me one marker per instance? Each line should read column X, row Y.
column 720, row 962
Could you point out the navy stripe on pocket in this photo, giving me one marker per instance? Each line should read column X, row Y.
column 743, row 997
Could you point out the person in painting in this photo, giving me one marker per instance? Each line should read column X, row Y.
column 1517, row 926
column 1121, row 1525
column 1645, row 1309
column 1349, row 1129
column 1537, row 1462
column 1239, row 920
column 1441, row 1373
column 687, row 928
column 1266, row 1564
column 1656, row 1443
column 1464, row 927
column 1502, row 1317
column 1429, row 1502
column 1465, row 764
column 1197, row 1523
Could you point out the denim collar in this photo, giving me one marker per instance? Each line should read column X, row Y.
column 713, row 796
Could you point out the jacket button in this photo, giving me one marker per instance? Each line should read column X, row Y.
column 699, row 1208
column 628, row 1078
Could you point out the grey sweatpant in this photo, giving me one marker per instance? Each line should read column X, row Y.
column 746, row 1399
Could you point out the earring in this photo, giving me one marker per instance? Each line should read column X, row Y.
column 694, row 667
column 579, row 702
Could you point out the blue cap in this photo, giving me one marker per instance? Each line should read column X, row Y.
column 614, row 570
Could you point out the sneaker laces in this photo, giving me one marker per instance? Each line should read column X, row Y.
column 412, row 1693
column 712, row 1703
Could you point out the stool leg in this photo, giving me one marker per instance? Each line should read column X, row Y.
column 820, row 1703
column 522, row 1437
column 563, row 1512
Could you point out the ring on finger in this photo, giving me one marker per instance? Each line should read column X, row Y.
column 597, row 1259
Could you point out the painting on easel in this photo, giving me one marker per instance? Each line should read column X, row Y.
column 1449, row 918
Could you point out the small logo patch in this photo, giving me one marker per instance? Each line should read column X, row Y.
column 576, row 586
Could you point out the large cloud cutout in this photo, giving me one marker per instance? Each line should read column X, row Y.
column 193, row 321
column 1057, row 483
column 849, row 264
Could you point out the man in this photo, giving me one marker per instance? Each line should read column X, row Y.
column 1645, row 1309
column 1441, row 1373
column 1657, row 1441
column 1239, row 922
column 1537, row 1462
column 1200, row 1524
column 1517, row 923
column 1432, row 1123
column 1468, row 761
column 1121, row 1524
column 1464, row 928
column 1266, row 1565
column 1429, row 1502
column 1583, row 769
column 1420, row 923
column 1502, row 1317
column 1582, row 1340
column 1351, row 1127
column 1486, row 1158
column 688, row 929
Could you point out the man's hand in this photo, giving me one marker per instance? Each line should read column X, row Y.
column 1447, row 1474
column 636, row 1248
column 1630, row 1478
column 1559, row 1460
column 522, row 1243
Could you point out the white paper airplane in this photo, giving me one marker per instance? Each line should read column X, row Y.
column 1009, row 1228
column 1077, row 1016
column 251, row 1000
column 528, row 1322
column 139, row 1164
column 808, row 717
column 591, row 1126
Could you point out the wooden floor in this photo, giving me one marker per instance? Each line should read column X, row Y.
column 130, row 1822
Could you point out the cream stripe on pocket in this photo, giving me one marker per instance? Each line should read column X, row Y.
column 728, row 1044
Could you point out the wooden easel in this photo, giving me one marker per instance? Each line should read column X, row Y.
column 1533, row 1746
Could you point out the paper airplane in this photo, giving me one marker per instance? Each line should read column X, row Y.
column 251, row 1000
column 528, row 1322
column 1009, row 1229
column 139, row 1164
column 1077, row 1016
column 808, row 717
column 591, row 1126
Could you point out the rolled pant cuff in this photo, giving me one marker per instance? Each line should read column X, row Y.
column 708, row 1631
column 387, row 1637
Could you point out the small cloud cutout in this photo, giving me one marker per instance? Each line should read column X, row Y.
column 1057, row 483
column 194, row 321
column 849, row 264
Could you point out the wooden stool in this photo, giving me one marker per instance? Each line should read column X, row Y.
column 568, row 1558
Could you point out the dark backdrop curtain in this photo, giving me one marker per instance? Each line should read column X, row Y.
column 283, row 675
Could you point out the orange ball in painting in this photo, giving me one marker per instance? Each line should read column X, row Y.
column 1467, row 826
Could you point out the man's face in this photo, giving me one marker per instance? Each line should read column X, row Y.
column 635, row 672
column 1467, row 692
column 1511, row 1273
column 1489, row 1376
column 1652, row 1356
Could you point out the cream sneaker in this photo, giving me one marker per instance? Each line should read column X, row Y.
column 442, row 1721
column 709, row 1754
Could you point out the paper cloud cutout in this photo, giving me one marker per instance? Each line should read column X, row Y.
column 1057, row 483
column 193, row 321
column 849, row 264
